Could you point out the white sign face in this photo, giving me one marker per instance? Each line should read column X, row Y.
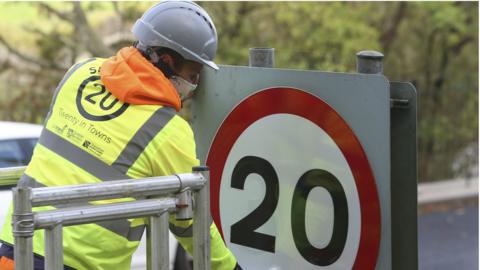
column 291, row 187
column 274, row 139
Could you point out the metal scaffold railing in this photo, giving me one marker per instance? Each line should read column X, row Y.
column 156, row 197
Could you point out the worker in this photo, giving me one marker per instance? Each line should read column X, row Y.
column 116, row 118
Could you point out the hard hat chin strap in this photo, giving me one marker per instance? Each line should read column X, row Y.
column 151, row 55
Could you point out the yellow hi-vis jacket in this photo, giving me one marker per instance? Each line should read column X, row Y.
column 96, row 133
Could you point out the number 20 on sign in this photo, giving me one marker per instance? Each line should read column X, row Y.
column 291, row 187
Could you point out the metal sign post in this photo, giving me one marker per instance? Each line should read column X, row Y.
column 403, row 140
column 404, row 176
column 262, row 57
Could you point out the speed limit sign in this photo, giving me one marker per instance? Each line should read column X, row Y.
column 281, row 204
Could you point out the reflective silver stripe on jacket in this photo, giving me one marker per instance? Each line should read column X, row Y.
column 180, row 231
column 183, row 232
column 142, row 138
column 77, row 156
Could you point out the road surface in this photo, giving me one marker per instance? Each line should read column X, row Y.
column 449, row 239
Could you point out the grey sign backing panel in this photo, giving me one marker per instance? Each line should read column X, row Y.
column 362, row 100
column 404, row 177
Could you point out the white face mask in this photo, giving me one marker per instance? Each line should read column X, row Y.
column 184, row 88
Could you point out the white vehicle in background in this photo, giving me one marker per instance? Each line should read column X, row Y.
column 17, row 141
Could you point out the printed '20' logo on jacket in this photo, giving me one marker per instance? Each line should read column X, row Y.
column 98, row 104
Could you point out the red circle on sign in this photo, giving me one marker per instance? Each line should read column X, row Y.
column 300, row 103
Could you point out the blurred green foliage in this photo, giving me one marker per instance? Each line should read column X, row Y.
column 434, row 45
